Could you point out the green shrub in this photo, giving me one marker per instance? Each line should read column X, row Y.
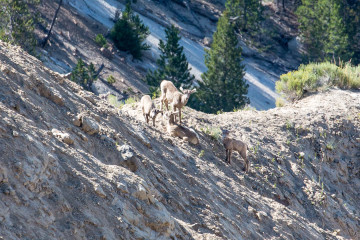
column 247, row 107
column 219, row 112
column 154, row 92
column 101, row 41
column 130, row 100
column 83, row 75
column 130, row 90
column 214, row 133
column 279, row 102
column 18, row 20
column 119, row 104
column 111, row 80
column 317, row 76
column 113, row 101
column 201, row 154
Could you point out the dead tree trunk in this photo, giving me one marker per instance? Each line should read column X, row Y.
column 52, row 25
column 99, row 70
column 283, row 5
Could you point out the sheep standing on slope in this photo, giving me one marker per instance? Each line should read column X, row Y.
column 231, row 144
column 148, row 109
column 170, row 94
column 176, row 130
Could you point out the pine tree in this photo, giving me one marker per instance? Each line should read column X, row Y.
column 17, row 23
column 323, row 30
column 223, row 87
column 248, row 13
column 129, row 33
column 336, row 44
column 92, row 76
column 82, row 75
column 350, row 10
column 311, row 28
column 172, row 64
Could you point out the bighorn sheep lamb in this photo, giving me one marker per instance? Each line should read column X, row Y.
column 176, row 130
column 148, row 109
column 231, row 144
column 170, row 94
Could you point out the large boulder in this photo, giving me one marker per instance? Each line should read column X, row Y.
column 106, row 53
column 63, row 136
column 89, row 125
column 129, row 159
column 207, row 41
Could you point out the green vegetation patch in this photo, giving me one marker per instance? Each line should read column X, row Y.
column 113, row 101
column 318, row 76
column 101, row 41
column 119, row 104
column 214, row 132
column 111, row 80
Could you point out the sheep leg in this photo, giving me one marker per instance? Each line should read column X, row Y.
column 147, row 119
column 227, row 153
column 243, row 155
column 144, row 117
column 143, row 112
column 154, row 121
column 229, row 156
column 179, row 115
column 174, row 110
column 162, row 102
column 246, row 165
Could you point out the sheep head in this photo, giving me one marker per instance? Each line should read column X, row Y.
column 186, row 94
column 154, row 112
column 225, row 133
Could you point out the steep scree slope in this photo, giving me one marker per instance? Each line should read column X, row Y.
column 74, row 167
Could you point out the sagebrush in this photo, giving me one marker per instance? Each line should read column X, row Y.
column 318, row 76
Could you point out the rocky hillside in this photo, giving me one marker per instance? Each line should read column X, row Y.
column 74, row 167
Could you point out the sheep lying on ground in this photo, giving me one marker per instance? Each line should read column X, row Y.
column 231, row 144
column 170, row 94
column 177, row 130
column 148, row 109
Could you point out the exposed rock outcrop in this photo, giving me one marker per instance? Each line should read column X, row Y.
column 63, row 176
column 129, row 159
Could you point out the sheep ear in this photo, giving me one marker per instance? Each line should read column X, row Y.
column 194, row 90
column 181, row 89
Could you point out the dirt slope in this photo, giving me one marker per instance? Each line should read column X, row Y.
column 73, row 167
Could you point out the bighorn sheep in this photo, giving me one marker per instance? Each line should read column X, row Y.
column 231, row 144
column 176, row 130
column 170, row 94
column 148, row 109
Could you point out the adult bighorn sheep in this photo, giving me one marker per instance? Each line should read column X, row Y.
column 231, row 144
column 170, row 94
column 148, row 109
column 176, row 130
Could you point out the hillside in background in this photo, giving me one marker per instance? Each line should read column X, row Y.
column 80, row 21
column 74, row 167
